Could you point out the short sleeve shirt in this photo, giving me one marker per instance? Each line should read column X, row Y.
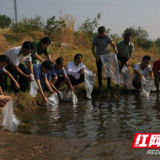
column 144, row 72
column 156, row 66
column 37, row 69
column 56, row 72
column 102, row 44
column 125, row 50
column 39, row 50
column 15, row 57
column 2, row 69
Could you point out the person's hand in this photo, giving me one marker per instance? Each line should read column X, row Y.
column 127, row 63
column 16, row 85
column 45, row 100
column 81, row 71
column 7, row 98
column 116, row 51
column 29, row 77
column 2, row 103
column 52, row 91
column 119, row 62
column 71, row 88
column 142, row 76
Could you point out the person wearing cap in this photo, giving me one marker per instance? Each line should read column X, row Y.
column 125, row 50
column 100, row 46
column 41, row 47
column 17, row 56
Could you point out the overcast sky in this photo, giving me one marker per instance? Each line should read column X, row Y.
column 116, row 14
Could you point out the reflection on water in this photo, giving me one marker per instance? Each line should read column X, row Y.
column 97, row 119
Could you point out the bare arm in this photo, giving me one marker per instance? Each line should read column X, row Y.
column 30, row 65
column 54, row 88
column 151, row 74
column 69, row 82
column 41, row 91
column 48, row 85
column 114, row 47
column 35, row 55
column 28, row 77
column 12, row 78
column 94, row 52
column 49, row 58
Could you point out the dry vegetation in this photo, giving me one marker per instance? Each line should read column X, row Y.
column 70, row 45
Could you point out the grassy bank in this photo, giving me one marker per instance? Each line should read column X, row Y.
column 23, row 101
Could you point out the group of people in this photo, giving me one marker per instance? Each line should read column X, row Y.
column 24, row 64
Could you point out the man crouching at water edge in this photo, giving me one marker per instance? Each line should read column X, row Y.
column 58, row 76
column 40, row 74
column 75, row 70
column 17, row 56
column 156, row 71
column 141, row 71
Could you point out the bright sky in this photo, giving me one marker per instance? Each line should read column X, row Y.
column 116, row 14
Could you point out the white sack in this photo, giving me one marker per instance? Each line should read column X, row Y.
column 89, row 79
column 9, row 120
column 110, row 63
column 69, row 96
column 146, row 87
column 33, row 89
column 53, row 100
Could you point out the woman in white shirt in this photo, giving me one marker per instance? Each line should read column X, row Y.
column 141, row 71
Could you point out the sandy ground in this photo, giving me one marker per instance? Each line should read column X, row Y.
column 15, row 146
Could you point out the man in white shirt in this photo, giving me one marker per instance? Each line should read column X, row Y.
column 141, row 71
column 17, row 56
column 75, row 70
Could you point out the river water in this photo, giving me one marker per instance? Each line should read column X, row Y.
column 113, row 119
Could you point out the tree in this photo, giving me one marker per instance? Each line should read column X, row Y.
column 5, row 21
column 139, row 34
column 89, row 26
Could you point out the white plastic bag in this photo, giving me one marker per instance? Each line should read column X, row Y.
column 146, row 86
column 33, row 89
column 53, row 100
column 9, row 120
column 89, row 79
column 111, row 66
column 69, row 96
column 125, row 74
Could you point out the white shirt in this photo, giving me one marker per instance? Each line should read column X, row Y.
column 14, row 57
column 72, row 69
column 144, row 72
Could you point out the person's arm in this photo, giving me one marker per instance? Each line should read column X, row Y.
column 41, row 91
column 114, row 47
column 36, row 56
column 151, row 74
column 53, row 87
column 70, row 70
column 49, row 58
column 1, row 91
column 69, row 82
column 48, row 85
column 7, row 98
column 12, row 78
column 28, row 77
column 30, row 66
column 130, row 55
column 139, row 73
column 94, row 52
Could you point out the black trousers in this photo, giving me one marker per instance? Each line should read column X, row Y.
column 99, row 70
column 76, row 81
column 21, row 80
column 123, row 61
column 3, row 79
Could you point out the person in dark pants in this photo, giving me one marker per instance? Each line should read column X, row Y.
column 58, row 76
column 100, row 46
column 4, row 60
column 16, row 56
column 75, row 70
column 125, row 50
